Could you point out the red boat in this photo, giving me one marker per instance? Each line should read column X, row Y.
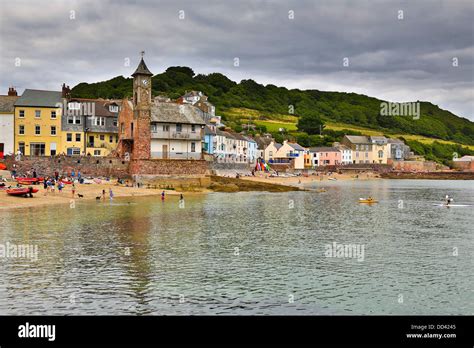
column 2, row 166
column 66, row 182
column 22, row 191
column 29, row 180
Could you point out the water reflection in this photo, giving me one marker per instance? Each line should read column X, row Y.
column 246, row 253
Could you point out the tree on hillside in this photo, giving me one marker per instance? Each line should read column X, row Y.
column 310, row 124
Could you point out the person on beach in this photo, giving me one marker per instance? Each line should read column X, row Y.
column 163, row 195
column 111, row 194
column 56, row 175
column 103, row 195
column 34, row 173
column 73, row 189
column 60, row 187
column 53, row 186
column 73, row 174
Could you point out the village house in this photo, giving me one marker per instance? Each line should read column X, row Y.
column 325, row 156
column 270, row 151
column 398, row 150
column 346, row 153
column 7, row 122
column 90, row 126
column 465, row 163
column 365, row 149
column 38, row 122
column 252, row 150
column 291, row 153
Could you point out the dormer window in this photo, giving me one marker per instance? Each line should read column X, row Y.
column 74, row 105
column 113, row 108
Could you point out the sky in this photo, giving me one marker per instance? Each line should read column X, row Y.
column 393, row 50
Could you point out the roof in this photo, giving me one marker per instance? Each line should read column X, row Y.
column 7, row 103
column 323, row 149
column 101, row 106
column 277, row 145
column 465, row 158
column 358, row 139
column 36, row 97
column 395, row 141
column 142, row 69
column 297, row 147
column 378, row 138
column 193, row 94
column 175, row 113
column 209, row 131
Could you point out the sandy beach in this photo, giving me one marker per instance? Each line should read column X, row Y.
column 88, row 191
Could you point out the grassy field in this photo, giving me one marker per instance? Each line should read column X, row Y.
column 274, row 122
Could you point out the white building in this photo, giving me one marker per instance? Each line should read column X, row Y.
column 346, row 153
column 7, row 129
column 177, row 131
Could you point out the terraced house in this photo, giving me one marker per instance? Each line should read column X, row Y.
column 38, row 123
column 90, row 126
column 7, row 121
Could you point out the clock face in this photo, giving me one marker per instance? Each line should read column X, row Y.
column 145, row 82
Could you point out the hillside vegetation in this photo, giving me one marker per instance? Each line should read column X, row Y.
column 270, row 108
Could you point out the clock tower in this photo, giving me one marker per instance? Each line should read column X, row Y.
column 140, row 126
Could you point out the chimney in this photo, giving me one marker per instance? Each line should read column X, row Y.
column 66, row 91
column 12, row 92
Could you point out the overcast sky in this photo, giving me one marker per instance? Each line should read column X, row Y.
column 390, row 58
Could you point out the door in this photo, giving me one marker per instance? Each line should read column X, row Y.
column 91, row 141
column 165, row 151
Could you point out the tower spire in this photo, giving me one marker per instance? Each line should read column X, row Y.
column 142, row 69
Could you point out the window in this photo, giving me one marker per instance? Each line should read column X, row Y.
column 193, row 128
column 366, row 155
column 116, row 138
column 193, row 147
column 380, row 154
column 153, row 128
column 166, row 128
column 37, row 149
column 115, row 122
column 74, row 106
column 21, row 129
column 96, row 152
column 21, row 147
column 37, row 130
column 102, row 137
column 73, row 151
column 21, row 114
column 111, row 138
column 74, row 119
column 113, row 108
column 179, row 127
column 98, row 121
column 69, row 137
column 53, row 114
column 37, row 113
column 78, row 136
column 53, row 130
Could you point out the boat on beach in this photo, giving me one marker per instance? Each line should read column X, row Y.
column 29, row 180
column 22, row 192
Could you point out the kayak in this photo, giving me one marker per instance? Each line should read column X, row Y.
column 363, row 200
column 30, row 180
column 21, row 191
column 452, row 205
column 67, row 182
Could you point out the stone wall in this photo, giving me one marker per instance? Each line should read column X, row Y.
column 415, row 166
column 168, row 167
column 464, row 165
column 87, row 165
column 232, row 166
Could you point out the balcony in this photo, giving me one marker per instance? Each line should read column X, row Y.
column 176, row 135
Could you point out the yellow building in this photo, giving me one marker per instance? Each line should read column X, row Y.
column 38, row 123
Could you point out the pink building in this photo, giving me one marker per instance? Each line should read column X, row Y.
column 325, row 156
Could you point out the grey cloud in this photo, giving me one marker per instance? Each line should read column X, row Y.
column 389, row 58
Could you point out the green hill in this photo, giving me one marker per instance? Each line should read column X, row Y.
column 272, row 103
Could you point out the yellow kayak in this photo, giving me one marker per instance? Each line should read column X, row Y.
column 320, row 190
column 362, row 200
